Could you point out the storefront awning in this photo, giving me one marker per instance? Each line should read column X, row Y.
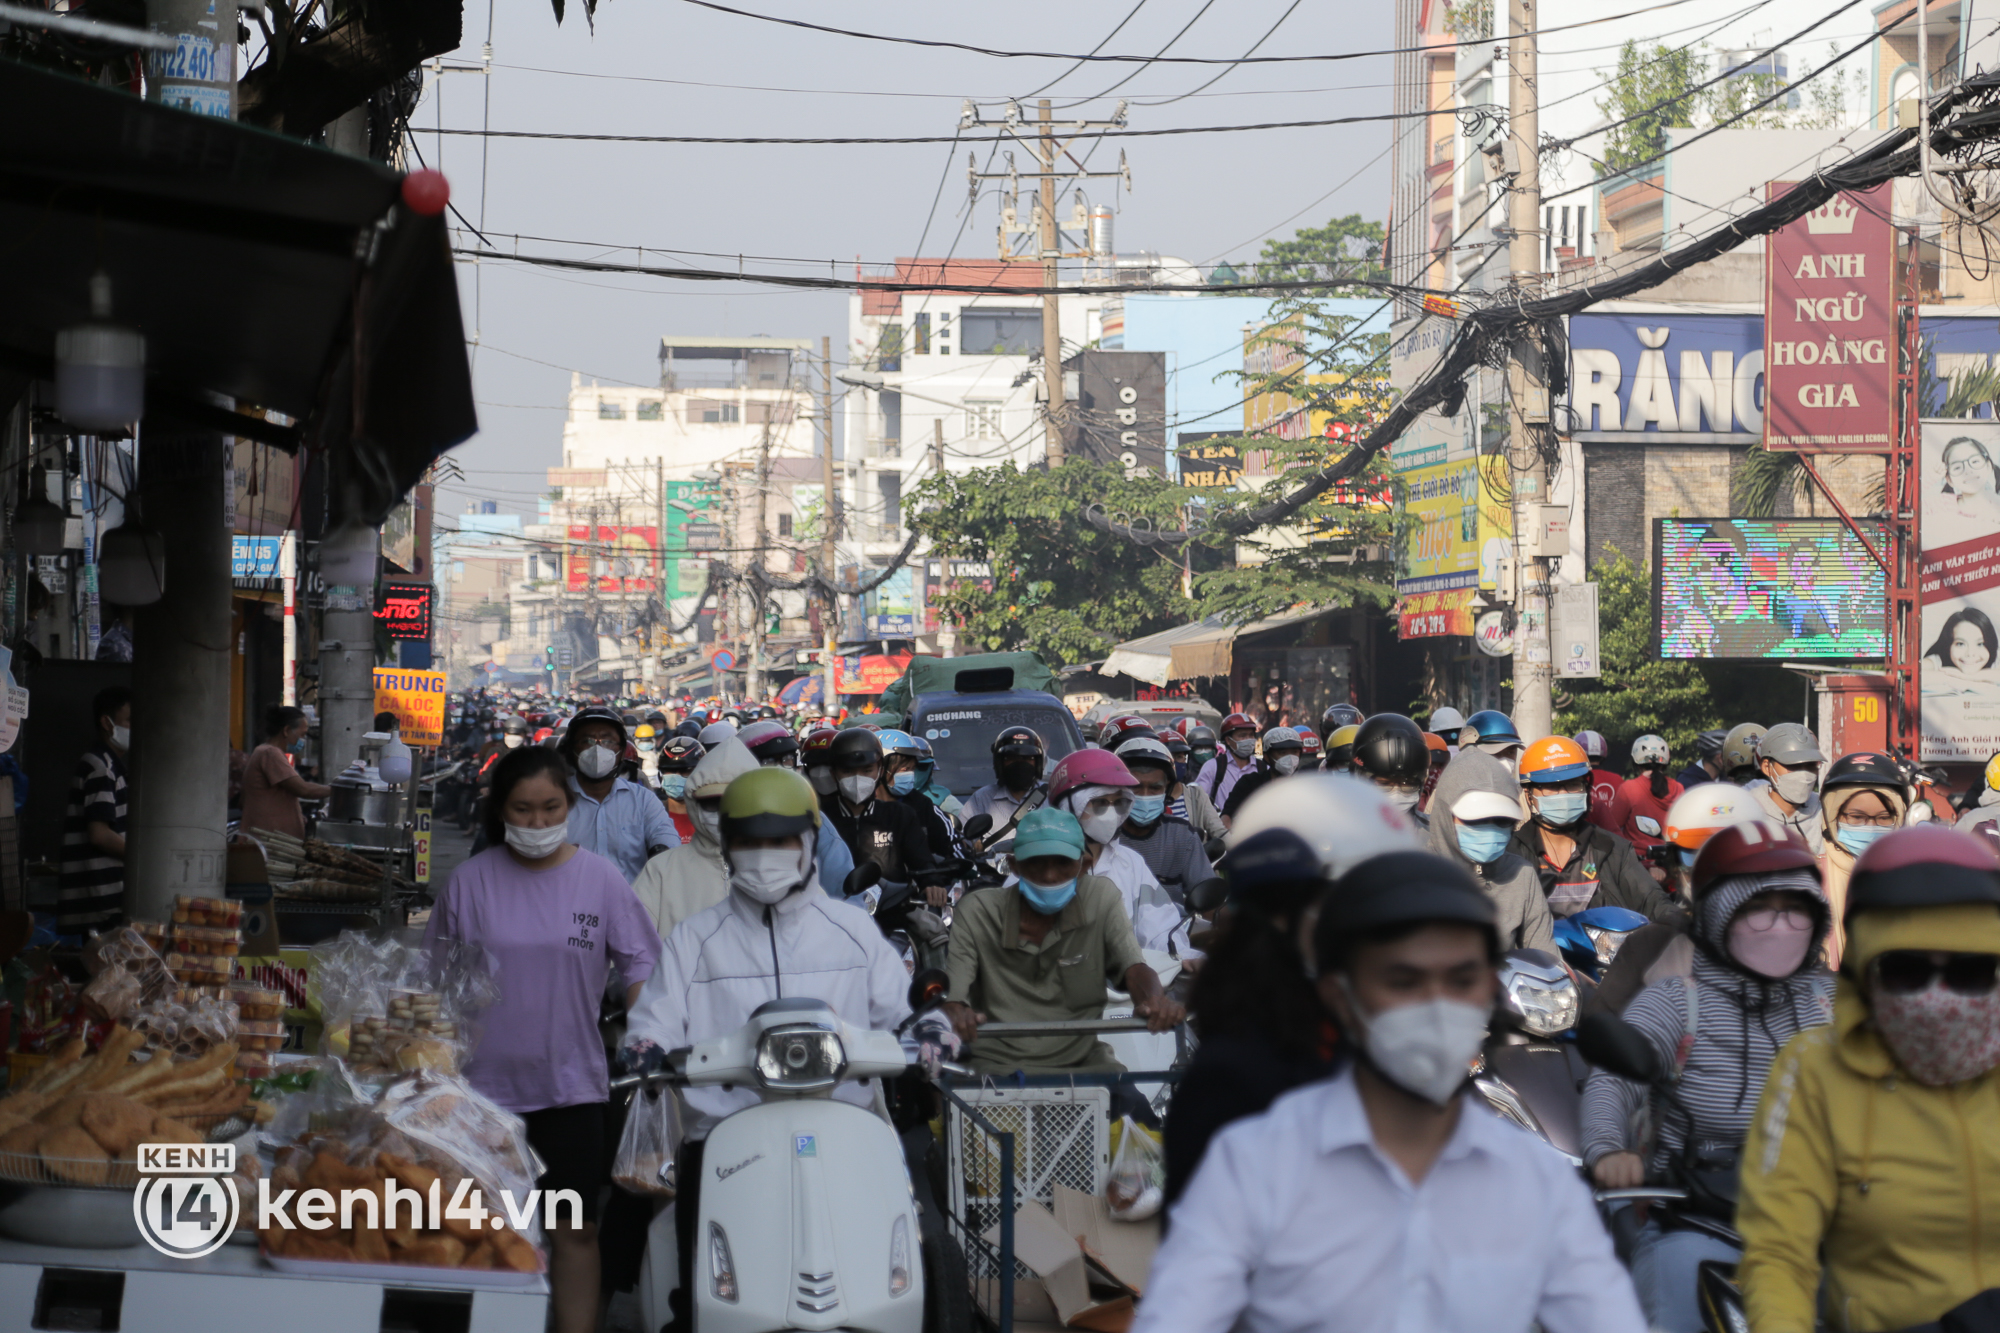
column 1192, row 651
column 1433, row 615
column 1150, row 658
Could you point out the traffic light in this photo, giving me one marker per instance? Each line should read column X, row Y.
column 549, row 659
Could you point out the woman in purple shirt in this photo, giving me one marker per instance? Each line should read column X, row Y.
column 554, row 918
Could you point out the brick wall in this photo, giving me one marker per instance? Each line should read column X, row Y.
column 1614, row 501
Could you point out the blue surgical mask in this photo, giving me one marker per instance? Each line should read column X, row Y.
column 1481, row 843
column 1146, row 809
column 1047, row 901
column 1687, row 857
column 1857, row 838
column 903, row 783
column 1561, row 808
column 1181, row 771
column 674, row 784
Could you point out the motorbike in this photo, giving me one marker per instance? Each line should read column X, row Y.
column 809, row 1214
column 1530, row 1070
column 1590, row 939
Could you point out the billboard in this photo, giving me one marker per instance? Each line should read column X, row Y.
column 1958, row 670
column 1454, row 530
column 405, row 610
column 1667, row 374
column 620, row 559
column 1785, row 589
column 1830, row 326
column 417, row 700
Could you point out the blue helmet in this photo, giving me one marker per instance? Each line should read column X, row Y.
column 926, row 761
column 1493, row 727
column 897, row 742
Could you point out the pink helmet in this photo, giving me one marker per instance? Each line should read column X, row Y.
column 1089, row 768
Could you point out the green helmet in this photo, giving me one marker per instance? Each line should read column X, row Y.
column 769, row 803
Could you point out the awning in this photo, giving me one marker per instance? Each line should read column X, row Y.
column 1432, row 615
column 258, row 268
column 1192, row 651
column 1150, row 658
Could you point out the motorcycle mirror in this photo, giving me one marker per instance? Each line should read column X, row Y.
column 978, row 826
column 928, row 987
column 1207, row 895
column 1611, row 1044
column 864, row 876
column 1214, row 848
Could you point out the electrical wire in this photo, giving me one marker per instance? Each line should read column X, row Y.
column 1132, row 14
column 1233, row 68
column 1206, row 6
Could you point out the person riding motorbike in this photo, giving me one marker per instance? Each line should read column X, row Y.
column 776, row 934
column 612, row 815
column 1339, row 753
column 1187, row 801
column 1759, row 917
column 678, row 756
column 1337, row 716
column 1096, row 787
column 1473, row 813
column 1283, row 752
column 1018, row 760
column 1639, row 810
column 1389, row 751
column 902, row 774
column 1604, row 783
column 1236, row 760
column 1581, row 866
column 1311, row 751
column 1869, row 1170
column 1171, row 849
column 1861, row 800
column 646, row 740
column 1493, row 732
column 930, row 788
column 1178, row 747
column 1446, row 723
column 1042, row 948
column 1440, row 754
column 1202, row 746
column 813, row 761
column 1738, row 756
column 692, row 878
column 772, row 742
column 875, row 826
column 1788, row 760
column 1707, row 765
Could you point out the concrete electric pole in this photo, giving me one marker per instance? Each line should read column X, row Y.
column 1527, row 384
column 828, row 559
column 1051, row 243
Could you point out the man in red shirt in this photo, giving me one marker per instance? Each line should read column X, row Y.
column 1603, row 782
column 1639, row 811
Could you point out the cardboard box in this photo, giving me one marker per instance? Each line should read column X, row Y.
column 1090, row 1267
column 1123, row 1249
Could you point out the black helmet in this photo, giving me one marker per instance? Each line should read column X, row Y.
column 853, row 750
column 680, row 754
column 1391, row 746
column 1337, row 716
column 1019, row 743
column 595, row 713
column 1201, row 738
column 1176, row 744
column 1276, row 871
column 1398, row 889
column 658, row 721
column 514, row 725
column 1863, row 768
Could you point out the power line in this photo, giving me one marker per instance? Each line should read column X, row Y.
column 1132, row 14
column 1206, row 6
column 1232, row 69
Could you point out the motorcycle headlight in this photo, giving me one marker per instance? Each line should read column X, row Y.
column 1606, row 942
column 1545, row 1008
column 800, row 1059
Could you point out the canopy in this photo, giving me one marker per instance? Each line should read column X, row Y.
column 1197, row 649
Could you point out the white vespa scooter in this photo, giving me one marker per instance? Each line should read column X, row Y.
column 808, row 1219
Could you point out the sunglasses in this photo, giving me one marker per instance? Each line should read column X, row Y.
column 1907, row 971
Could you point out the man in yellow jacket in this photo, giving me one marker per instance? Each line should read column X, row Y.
column 1875, row 1152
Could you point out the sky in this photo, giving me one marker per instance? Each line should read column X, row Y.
column 672, row 67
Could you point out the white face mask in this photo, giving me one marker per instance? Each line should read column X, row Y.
column 1103, row 826
column 707, row 824
column 1796, row 788
column 122, row 737
column 1403, row 798
column 536, row 843
column 511, row 741
column 769, row 874
column 1286, row 763
column 1425, row 1049
column 822, row 781
column 1243, row 746
column 596, row 761
column 857, row 788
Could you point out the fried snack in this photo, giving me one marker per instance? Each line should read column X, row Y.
column 516, row 1251
column 437, row 1251
column 305, row 1244
column 23, row 1139
column 10, row 1121
column 204, row 1077
column 230, row 1098
column 67, row 1111
column 165, row 1129
column 329, row 1173
column 118, row 1123
column 406, row 1172
column 371, row 1246
column 69, row 1053
column 109, row 1062
column 71, row 1154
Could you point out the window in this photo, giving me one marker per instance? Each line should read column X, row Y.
column 920, row 336
column 889, row 351
column 784, row 525
column 651, row 409
column 711, row 411
column 609, row 411
column 982, row 420
column 891, row 486
column 985, row 332
column 892, row 415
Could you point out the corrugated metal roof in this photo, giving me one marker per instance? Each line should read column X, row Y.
column 759, row 344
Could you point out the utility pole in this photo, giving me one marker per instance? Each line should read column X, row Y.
column 754, row 685
column 1527, row 383
column 937, row 445
column 1045, row 205
column 828, row 558
column 654, row 680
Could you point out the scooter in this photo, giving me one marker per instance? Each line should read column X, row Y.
column 1530, row 1071
column 1591, row 939
column 808, row 1216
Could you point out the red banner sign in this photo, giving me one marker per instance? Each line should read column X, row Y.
column 1830, row 327
column 1432, row 615
column 620, row 559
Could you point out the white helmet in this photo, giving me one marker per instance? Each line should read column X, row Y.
column 1345, row 819
column 1446, row 722
column 1704, row 810
column 1650, row 749
column 715, row 733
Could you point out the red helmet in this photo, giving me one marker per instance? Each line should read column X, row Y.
column 1235, row 721
column 1310, row 740
column 1112, row 728
column 1183, row 725
column 1753, row 847
column 813, row 749
column 1089, row 768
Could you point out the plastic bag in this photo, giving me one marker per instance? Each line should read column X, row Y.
column 391, row 1005
column 1136, row 1187
column 644, row 1163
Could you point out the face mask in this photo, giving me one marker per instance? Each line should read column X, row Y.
column 1858, row 838
column 1101, row 827
column 645, row 747
column 1776, row 952
column 1147, row 809
column 707, row 823
column 1019, row 775
column 1481, row 842
column 1181, row 770
column 1048, row 901
column 857, row 788
column 122, row 737
column 903, row 783
column 674, row 785
column 1286, row 763
column 1403, row 798
column 511, row 741
column 1561, row 808
column 1244, row 747
column 596, row 761
column 822, row 781
column 1939, row 1036
column 1427, row 1048
column 1687, row 857
column 1796, row 788
column 536, row 843
column 1198, row 758
column 768, row 874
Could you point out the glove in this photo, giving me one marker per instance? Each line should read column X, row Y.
column 642, row 1057
column 937, row 1041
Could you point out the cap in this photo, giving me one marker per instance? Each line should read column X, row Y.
column 1048, row 832
column 1486, row 805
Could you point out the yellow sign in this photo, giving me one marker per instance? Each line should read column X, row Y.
column 417, row 700
column 420, row 842
column 1455, row 526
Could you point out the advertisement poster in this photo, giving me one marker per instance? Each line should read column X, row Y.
column 1830, row 326
column 1452, row 535
column 1768, row 588
column 620, row 559
column 417, row 700
column 1959, row 663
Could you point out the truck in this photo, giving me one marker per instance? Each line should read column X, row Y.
column 959, row 704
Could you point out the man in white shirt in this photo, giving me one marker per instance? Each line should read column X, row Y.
column 1383, row 1199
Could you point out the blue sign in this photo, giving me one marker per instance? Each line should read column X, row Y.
column 254, row 557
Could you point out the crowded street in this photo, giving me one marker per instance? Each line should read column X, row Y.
column 1273, row 668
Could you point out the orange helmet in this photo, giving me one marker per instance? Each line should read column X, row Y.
column 1554, row 759
column 1440, row 750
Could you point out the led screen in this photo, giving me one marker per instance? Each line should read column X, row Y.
column 1776, row 588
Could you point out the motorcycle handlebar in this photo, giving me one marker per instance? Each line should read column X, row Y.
column 1062, row 1027
column 1642, row 1193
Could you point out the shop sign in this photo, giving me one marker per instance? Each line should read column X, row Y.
column 1958, row 672
column 1454, row 529
column 405, row 610
column 1830, row 326
column 417, row 699
column 613, row 559
column 1431, row 615
column 1493, row 634
column 253, row 559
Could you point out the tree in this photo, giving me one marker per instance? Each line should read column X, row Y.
column 1060, row 587
column 1344, row 249
column 1653, row 86
column 1638, row 693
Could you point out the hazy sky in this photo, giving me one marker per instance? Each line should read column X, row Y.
column 671, row 67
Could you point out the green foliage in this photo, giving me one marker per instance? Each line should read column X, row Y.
column 1654, row 83
column 1637, row 693
column 1061, row 588
column 1469, row 20
column 1344, row 249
